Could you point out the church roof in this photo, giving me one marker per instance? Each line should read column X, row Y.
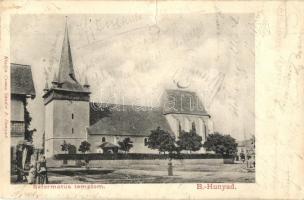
column 21, row 80
column 125, row 120
column 182, row 102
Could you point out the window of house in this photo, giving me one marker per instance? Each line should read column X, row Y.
column 103, row 139
column 146, row 141
column 72, row 130
column 72, row 115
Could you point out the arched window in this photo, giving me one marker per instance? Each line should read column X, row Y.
column 193, row 128
column 187, row 125
column 103, row 139
column 204, row 130
column 179, row 127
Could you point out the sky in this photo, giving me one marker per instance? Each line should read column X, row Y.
column 133, row 58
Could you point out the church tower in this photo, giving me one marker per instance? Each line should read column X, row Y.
column 66, row 105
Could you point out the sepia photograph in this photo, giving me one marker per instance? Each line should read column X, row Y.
column 130, row 98
column 151, row 99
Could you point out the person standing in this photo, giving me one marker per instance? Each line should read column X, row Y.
column 42, row 171
column 19, row 163
column 32, row 175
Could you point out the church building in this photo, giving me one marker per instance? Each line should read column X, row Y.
column 71, row 117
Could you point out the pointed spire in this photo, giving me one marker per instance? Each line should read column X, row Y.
column 66, row 68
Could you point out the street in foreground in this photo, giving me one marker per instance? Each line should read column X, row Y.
column 155, row 173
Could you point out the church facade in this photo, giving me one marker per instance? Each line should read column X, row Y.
column 71, row 117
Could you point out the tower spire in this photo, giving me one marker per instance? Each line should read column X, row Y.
column 66, row 68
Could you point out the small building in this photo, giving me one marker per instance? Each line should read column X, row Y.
column 22, row 88
column 246, row 148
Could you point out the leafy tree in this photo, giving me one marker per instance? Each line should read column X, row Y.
column 242, row 156
column 84, row 146
column 162, row 141
column 126, row 144
column 28, row 135
column 64, row 146
column 71, row 149
column 221, row 144
column 189, row 141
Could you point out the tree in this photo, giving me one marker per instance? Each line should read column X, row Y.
column 84, row 146
column 28, row 135
column 72, row 149
column 126, row 144
column 64, row 146
column 221, row 144
column 162, row 141
column 189, row 141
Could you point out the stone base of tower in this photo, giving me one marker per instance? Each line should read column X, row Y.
column 53, row 146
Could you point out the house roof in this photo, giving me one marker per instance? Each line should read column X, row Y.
column 125, row 120
column 22, row 80
column 182, row 102
column 107, row 145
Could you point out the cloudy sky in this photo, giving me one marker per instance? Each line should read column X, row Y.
column 134, row 58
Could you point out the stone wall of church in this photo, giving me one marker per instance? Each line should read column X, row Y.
column 65, row 120
column 202, row 125
column 138, row 143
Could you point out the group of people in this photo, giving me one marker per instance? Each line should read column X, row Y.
column 31, row 167
column 38, row 172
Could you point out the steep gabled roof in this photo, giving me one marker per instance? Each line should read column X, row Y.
column 22, row 80
column 182, row 102
column 126, row 120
